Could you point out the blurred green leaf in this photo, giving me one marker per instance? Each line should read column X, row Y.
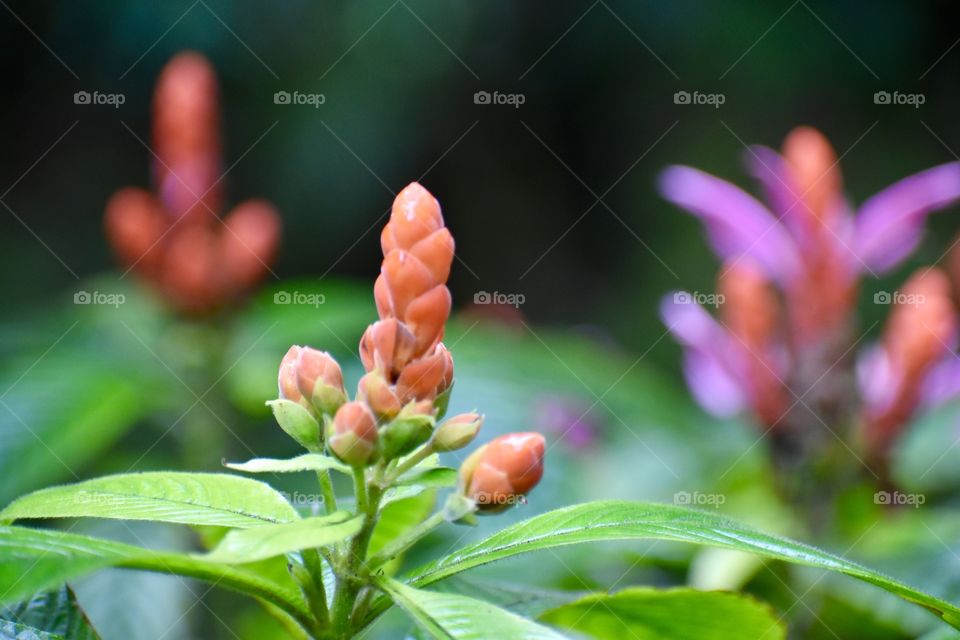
column 164, row 496
column 48, row 615
column 397, row 518
column 672, row 614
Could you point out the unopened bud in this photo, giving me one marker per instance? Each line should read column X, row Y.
column 297, row 422
column 374, row 389
column 457, row 432
column 387, row 345
column 420, row 379
column 287, row 378
column 352, row 435
column 319, row 378
column 497, row 474
column 411, row 428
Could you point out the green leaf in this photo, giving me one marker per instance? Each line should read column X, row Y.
column 250, row 545
column 450, row 616
column 37, row 559
column 49, row 614
column 305, row 462
column 644, row 613
column 164, row 496
column 624, row 520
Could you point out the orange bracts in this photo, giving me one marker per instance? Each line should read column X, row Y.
column 412, row 299
column 175, row 239
column 920, row 333
column 500, row 472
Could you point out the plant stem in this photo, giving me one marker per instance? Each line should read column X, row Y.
column 349, row 579
column 405, row 541
column 326, row 489
column 409, row 462
column 318, row 601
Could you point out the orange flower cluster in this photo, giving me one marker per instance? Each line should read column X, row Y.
column 173, row 237
column 409, row 371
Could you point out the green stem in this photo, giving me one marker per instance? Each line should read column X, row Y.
column 412, row 460
column 349, row 578
column 326, row 489
column 318, row 598
column 405, row 541
column 231, row 578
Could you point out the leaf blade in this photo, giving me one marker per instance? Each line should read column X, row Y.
column 249, row 545
column 305, row 462
column 454, row 617
column 625, row 520
column 645, row 613
column 163, row 496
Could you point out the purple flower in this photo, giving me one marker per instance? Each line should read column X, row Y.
column 809, row 244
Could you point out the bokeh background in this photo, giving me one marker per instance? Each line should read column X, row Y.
column 553, row 200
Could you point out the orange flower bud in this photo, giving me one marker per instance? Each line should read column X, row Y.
column 249, row 243
column 916, row 337
column 352, row 436
column 420, row 379
column 447, row 380
column 374, row 389
column 135, row 223
column 189, row 275
column 427, row 315
column 387, row 345
column 415, row 215
column 404, row 278
column 186, row 137
column 501, row 471
column 457, row 432
column 320, row 380
column 287, row 380
column 814, row 176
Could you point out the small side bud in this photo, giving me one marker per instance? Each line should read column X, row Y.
column 500, row 473
column 297, row 422
column 352, row 434
column 319, row 378
column 457, row 432
column 287, row 378
column 374, row 389
column 387, row 345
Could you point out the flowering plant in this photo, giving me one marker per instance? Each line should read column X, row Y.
column 330, row 571
column 780, row 346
